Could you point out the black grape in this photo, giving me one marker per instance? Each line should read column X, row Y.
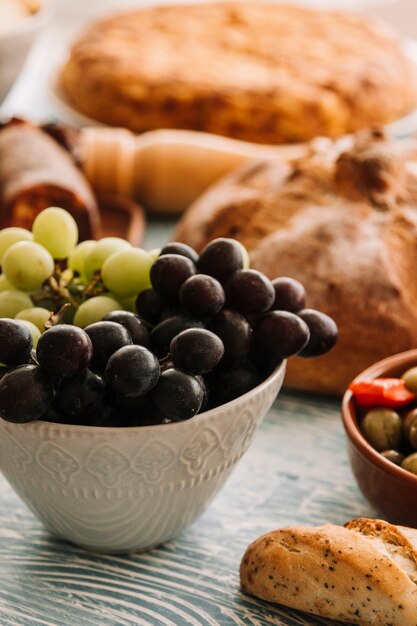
column 249, row 292
column 150, row 306
column 132, row 371
column 201, row 296
column 281, row 333
column 196, row 350
column 220, row 258
column 323, row 333
column 79, row 395
column 178, row 395
column 162, row 334
column 228, row 383
column 290, row 294
column 169, row 272
column 175, row 247
column 106, row 338
column 25, row 394
column 132, row 322
column 64, row 350
column 138, row 411
column 15, row 342
column 235, row 332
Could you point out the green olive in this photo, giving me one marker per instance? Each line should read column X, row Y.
column 410, row 379
column 409, row 419
column 382, row 428
column 394, row 456
column 410, row 463
column 412, row 435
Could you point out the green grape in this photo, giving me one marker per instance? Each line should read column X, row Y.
column 57, row 231
column 126, row 273
column 94, row 309
column 11, row 235
column 154, row 252
column 102, row 250
column 13, row 301
column 128, row 304
column 27, row 265
column 67, row 275
column 77, row 257
column 34, row 331
column 37, row 315
column 5, row 284
column 245, row 253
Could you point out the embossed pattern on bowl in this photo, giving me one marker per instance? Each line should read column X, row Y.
column 127, row 489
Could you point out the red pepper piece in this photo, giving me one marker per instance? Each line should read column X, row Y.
column 389, row 392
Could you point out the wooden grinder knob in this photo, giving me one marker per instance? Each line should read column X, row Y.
column 167, row 169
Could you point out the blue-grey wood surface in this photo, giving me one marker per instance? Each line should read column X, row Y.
column 295, row 472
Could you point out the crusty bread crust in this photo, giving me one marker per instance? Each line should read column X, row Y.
column 260, row 72
column 35, row 173
column 335, row 572
column 344, row 223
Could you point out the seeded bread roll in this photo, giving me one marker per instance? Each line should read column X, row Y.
column 364, row 573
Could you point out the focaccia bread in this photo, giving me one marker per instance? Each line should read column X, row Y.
column 343, row 221
column 262, row 72
column 364, row 573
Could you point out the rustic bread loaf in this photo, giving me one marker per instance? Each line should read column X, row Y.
column 256, row 71
column 364, row 573
column 343, row 221
column 35, row 173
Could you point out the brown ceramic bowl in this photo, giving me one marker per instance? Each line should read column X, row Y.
column 389, row 488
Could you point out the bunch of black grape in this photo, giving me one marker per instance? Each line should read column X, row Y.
column 207, row 331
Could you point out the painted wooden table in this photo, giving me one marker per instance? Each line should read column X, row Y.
column 295, row 472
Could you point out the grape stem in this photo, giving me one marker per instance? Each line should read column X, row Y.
column 94, row 288
column 165, row 363
column 34, row 360
column 63, row 292
column 60, row 287
column 56, row 318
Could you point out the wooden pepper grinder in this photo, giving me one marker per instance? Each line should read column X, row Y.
column 166, row 169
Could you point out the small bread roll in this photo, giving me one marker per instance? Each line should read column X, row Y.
column 364, row 573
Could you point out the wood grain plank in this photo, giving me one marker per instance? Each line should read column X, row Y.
column 296, row 471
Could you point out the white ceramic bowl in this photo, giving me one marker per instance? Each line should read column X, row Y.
column 16, row 43
column 128, row 489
